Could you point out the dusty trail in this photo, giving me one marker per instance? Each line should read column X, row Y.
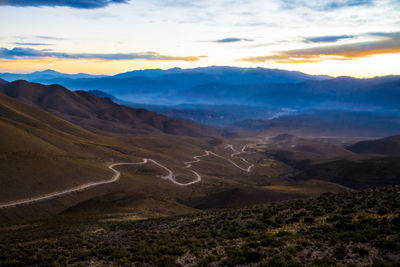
column 170, row 175
column 236, row 152
column 114, row 178
column 117, row 175
column 208, row 153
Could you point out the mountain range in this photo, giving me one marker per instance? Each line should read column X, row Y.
column 143, row 85
column 189, row 77
column 45, row 75
column 276, row 90
column 344, row 93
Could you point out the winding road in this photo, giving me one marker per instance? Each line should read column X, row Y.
column 117, row 175
column 243, row 159
column 115, row 178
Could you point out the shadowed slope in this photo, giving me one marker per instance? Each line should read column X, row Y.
column 328, row 123
column 90, row 111
column 355, row 174
column 387, row 146
column 239, row 197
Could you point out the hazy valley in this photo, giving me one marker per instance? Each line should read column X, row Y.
column 200, row 133
column 57, row 145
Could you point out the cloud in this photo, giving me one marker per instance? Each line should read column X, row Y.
column 324, row 5
column 347, row 3
column 85, row 4
column 30, row 53
column 328, row 38
column 31, row 44
column 385, row 34
column 335, row 38
column 96, row 16
column 232, row 40
column 179, row 3
column 48, row 37
column 336, row 52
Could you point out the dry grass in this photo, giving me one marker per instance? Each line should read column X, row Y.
column 309, row 187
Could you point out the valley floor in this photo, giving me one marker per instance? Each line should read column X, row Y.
column 170, row 176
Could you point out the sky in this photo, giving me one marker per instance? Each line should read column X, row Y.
column 359, row 38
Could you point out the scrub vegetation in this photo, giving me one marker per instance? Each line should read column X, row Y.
column 349, row 228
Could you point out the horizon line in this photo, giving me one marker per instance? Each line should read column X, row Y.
column 191, row 68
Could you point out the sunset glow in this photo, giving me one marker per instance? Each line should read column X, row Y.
column 347, row 37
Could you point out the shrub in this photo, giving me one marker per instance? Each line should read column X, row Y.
column 325, row 261
column 252, row 256
column 235, row 256
column 382, row 211
column 360, row 251
column 166, row 261
column 283, row 260
column 340, row 252
column 292, row 250
column 388, row 244
column 309, row 220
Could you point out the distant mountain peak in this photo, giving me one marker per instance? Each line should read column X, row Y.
column 45, row 72
column 49, row 71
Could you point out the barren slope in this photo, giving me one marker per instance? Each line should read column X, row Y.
column 90, row 111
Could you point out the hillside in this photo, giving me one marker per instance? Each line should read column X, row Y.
column 289, row 148
column 327, row 123
column 356, row 174
column 41, row 153
column 2, row 81
column 389, row 146
column 328, row 160
column 350, row 229
column 94, row 112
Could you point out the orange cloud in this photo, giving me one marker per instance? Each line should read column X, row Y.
column 332, row 52
column 31, row 53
